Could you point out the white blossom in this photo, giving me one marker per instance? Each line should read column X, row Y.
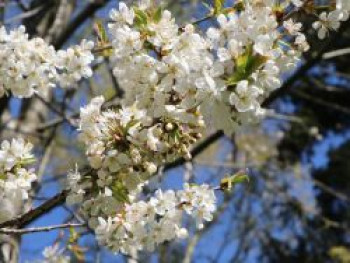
column 123, row 16
column 244, row 97
column 330, row 21
column 292, row 27
column 54, row 254
column 143, row 225
column 15, row 179
column 31, row 65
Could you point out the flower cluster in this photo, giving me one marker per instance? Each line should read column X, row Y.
column 128, row 141
column 125, row 147
column 179, row 76
column 176, row 82
column 255, row 49
column 15, row 178
column 331, row 20
column 30, row 65
column 143, row 225
column 228, row 73
column 166, row 61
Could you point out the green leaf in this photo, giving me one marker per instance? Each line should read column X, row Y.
column 228, row 183
column 103, row 47
column 73, row 235
column 158, row 14
column 240, row 177
column 101, row 32
column 218, row 6
column 246, row 65
column 27, row 161
column 141, row 18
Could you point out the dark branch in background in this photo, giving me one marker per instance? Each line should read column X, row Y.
column 24, row 15
column 21, row 5
column 312, row 99
column 303, row 70
column 50, row 105
column 84, row 15
column 3, row 104
column 70, row 118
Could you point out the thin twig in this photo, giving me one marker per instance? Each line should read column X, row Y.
column 336, row 53
column 39, row 229
column 72, row 116
column 331, row 191
column 316, row 100
column 24, row 15
column 49, row 105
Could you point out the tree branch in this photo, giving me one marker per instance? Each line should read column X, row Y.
column 85, row 14
column 304, row 69
column 31, row 215
column 38, row 229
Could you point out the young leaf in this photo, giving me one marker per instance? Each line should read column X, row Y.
column 101, row 32
column 158, row 14
column 246, row 65
column 228, row 182
column 3, row 177
column 103, row 46
column 218, row 6
column 141, row 17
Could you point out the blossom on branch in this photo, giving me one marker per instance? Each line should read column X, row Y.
column 15, row 178
column 143, row 225
column 31, row 65
column 177, row 82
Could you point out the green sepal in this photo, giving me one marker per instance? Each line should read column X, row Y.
column 120, row 192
